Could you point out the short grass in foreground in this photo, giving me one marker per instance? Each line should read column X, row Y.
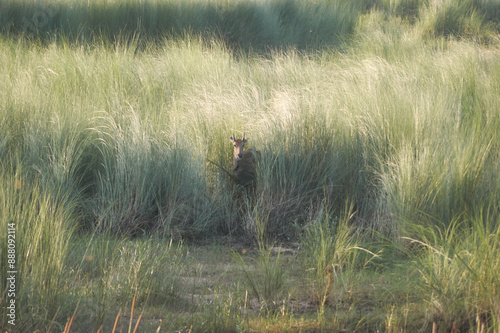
column 327, row 281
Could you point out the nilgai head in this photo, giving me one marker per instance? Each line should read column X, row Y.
column 238, row 144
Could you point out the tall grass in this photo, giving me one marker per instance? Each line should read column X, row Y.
column 460, row 274
column 43, row 232
column 138, row 186
column 463, row 19
column 58, row 271
column 332, row 252
column 129, row 137
column 242, row 25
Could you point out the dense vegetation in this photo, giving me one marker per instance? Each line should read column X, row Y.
column 377, row 123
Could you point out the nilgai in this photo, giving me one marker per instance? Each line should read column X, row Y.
column 244, row 162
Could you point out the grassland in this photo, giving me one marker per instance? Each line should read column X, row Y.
column 377, row 198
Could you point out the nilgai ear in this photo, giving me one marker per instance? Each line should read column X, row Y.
column 232, row 138
column 244, row 140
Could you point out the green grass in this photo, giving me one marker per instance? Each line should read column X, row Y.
column 243, row 25
column 43, row 227
column 111, row 115
column 459, row 273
